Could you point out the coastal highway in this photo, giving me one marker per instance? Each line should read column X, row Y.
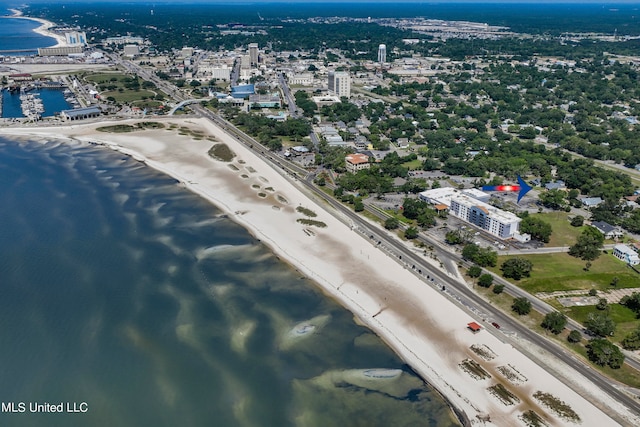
column 430, row 276
column 458, row 291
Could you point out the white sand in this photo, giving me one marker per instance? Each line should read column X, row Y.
column 426, row 329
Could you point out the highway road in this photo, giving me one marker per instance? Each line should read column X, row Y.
column 429, row 276
column 457, row 291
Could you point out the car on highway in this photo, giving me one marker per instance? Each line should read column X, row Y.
column 495, row 325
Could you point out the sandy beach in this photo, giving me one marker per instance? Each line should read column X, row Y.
column 425, row 329
column 44, row 29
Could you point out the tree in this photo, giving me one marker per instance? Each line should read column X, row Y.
column 474, row 271
column 554, row 321
column 574, row 336
column 411, row 233
column 577, row 221
column 588, row 246
column 391, row 223
column 358, row 206
column 516, row 268
column 553, row 199
column 521, row 306
column 537, row 227
column 632, row 340
column 602, row 352
column 486, row 280
column 602, row 304
column 600, row 324
column 632, row 302
column 498, row 289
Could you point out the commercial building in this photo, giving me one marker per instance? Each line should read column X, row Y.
column 489, row 218
column 59, row 51
column 271, row 100
column 340, row 83
column 626, row 254
column 356, row 162
column 123, row 40
column 131, row 50
column 80, row 113
column 443, row 196
column 382, row 54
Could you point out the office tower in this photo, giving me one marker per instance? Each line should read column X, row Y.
column 253, row 54
column 340, row 83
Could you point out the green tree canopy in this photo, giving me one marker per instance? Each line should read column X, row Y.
column 537, row 227
column 554, row 321
column 600, row 324
column 521, row 306
column 601, row 352
column 516, row 268
column 588, row 245
column 485, row 280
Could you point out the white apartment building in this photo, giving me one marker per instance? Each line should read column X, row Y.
column 489, row 218
column 303, row 79
column 340, row 83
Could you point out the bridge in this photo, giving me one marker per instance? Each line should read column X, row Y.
column 186, row 102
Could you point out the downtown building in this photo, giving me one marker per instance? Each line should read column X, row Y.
column 340, row 83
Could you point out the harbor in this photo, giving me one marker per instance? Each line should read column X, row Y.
column 33, row 102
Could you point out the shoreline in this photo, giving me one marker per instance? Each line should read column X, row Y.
column 43, row 29
column 423, row 327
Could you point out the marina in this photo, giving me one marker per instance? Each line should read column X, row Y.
column 35, row 102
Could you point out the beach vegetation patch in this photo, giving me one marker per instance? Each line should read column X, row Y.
column 271, row 189
column 306, row 212
column 233, row 167
column 117, row 128
column 559, row 407
column 222, row 152
column 306, row 221
column 474, row 369
column 282, row 200
column 504, row 395
column 261, row 194
column 532, row 419
column 256, row 186
column 483, row 351
column 512, row 374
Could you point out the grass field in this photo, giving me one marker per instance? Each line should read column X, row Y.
column 413, row 164
column 128, row 95
column 563, row 233
column 561, row 272
column 625, row 318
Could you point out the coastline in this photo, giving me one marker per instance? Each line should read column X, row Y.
column 44, row 29
column 426, row 329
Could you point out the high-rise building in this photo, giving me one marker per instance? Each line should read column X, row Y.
column 253, row 54
column 76, row 38
column 340, row 83
column 382, row 53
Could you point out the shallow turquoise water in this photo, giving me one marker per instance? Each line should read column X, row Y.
column 121, row 289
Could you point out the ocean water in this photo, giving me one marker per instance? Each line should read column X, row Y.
column 121, row 289
column 17, row 34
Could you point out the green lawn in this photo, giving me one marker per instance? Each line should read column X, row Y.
column 563, row 233
column 128, row 95
column 625, row 318
column 560, row 272
column 101, row 78
column 413, row 164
